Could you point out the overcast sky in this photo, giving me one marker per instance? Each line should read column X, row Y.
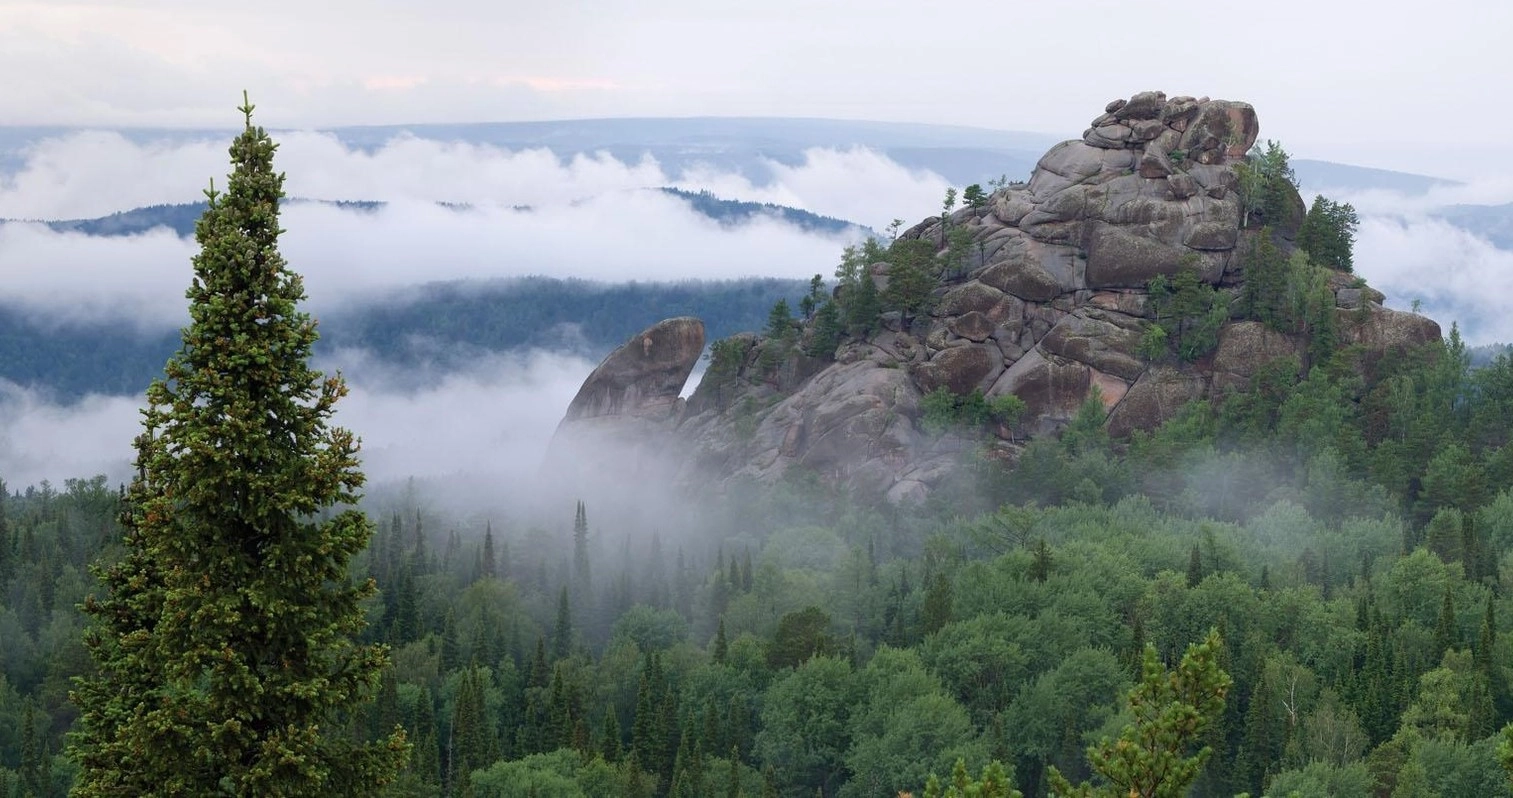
column 1393, row 85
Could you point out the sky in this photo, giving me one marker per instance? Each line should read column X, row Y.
column 1392, row 85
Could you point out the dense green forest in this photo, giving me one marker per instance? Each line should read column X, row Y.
column 1350, row 549
column 440, row 323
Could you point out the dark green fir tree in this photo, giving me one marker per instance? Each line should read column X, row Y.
column 225, row 641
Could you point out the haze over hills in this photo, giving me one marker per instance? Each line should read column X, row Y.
column 413, row 251
column 746, row 146
column 1096, row 463
column 1140, row 396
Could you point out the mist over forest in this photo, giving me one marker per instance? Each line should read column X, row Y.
column 1294, row 585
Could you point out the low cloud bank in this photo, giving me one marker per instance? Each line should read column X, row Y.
column 590, row 216
column 484, row 429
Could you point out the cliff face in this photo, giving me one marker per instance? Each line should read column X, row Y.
column 1049, row 304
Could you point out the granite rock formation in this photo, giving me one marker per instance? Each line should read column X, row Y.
column 1050, row 306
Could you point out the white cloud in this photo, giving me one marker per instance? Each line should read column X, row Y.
column 487, row 426
column 41, row 440
column 1482, row 191
column 591, row 218
column 1458, row 276
column 490, row 423
column 346, row 256
column 63, row 278
column 94, row 173
column 855, row 184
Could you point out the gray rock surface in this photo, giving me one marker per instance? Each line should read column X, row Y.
column 645, row 375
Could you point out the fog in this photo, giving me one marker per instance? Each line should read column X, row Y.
column 1403, row 250
column 528, row 213
column 487, row 425
column 94, row 173
column 482, row 430
column 1456, row 275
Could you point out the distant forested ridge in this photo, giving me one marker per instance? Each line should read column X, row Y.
column 447, row 322
column 736, row 212
column 180, row 217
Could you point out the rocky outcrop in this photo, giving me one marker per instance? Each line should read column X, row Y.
column 1049, row 303
column 643, row 377
column 617, row 425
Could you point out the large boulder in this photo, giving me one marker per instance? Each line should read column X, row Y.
column 1245, row 348
column 645, row 375
column 1153, row 399
column 977, row 297
column 1118, row 257
column 1033, row 270
column 1384, row 329
column 961, row 369
column 1052, row 388
column 1105, row 340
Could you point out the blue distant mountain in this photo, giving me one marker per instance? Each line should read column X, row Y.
column 180, row 218
column 1492, row 222
column 435, row 325
column 1327, row 176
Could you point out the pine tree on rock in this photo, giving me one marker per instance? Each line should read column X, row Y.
column 225, row 646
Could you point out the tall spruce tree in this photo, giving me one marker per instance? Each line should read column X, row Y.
column 490, row 567
column 225, row 644
column 580, row 547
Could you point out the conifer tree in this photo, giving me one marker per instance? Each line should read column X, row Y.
column 733, row 776
column 225, row 647
column 406, row 626
column 490, row 567
column 1194, row 567
column 426, row 759
column 1171, row 709
column 473, row 745
column 30, row 771
column 539, row 671
column 1446, row 630
column 451, row 651
column 1040, row 561
column 738, row 725
column 580, row 546
column 936, row 611
column 562, row 633
column 609, row 744
column 721, row 646
column 6, row 552
column 647, row 741
column 827, row 331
